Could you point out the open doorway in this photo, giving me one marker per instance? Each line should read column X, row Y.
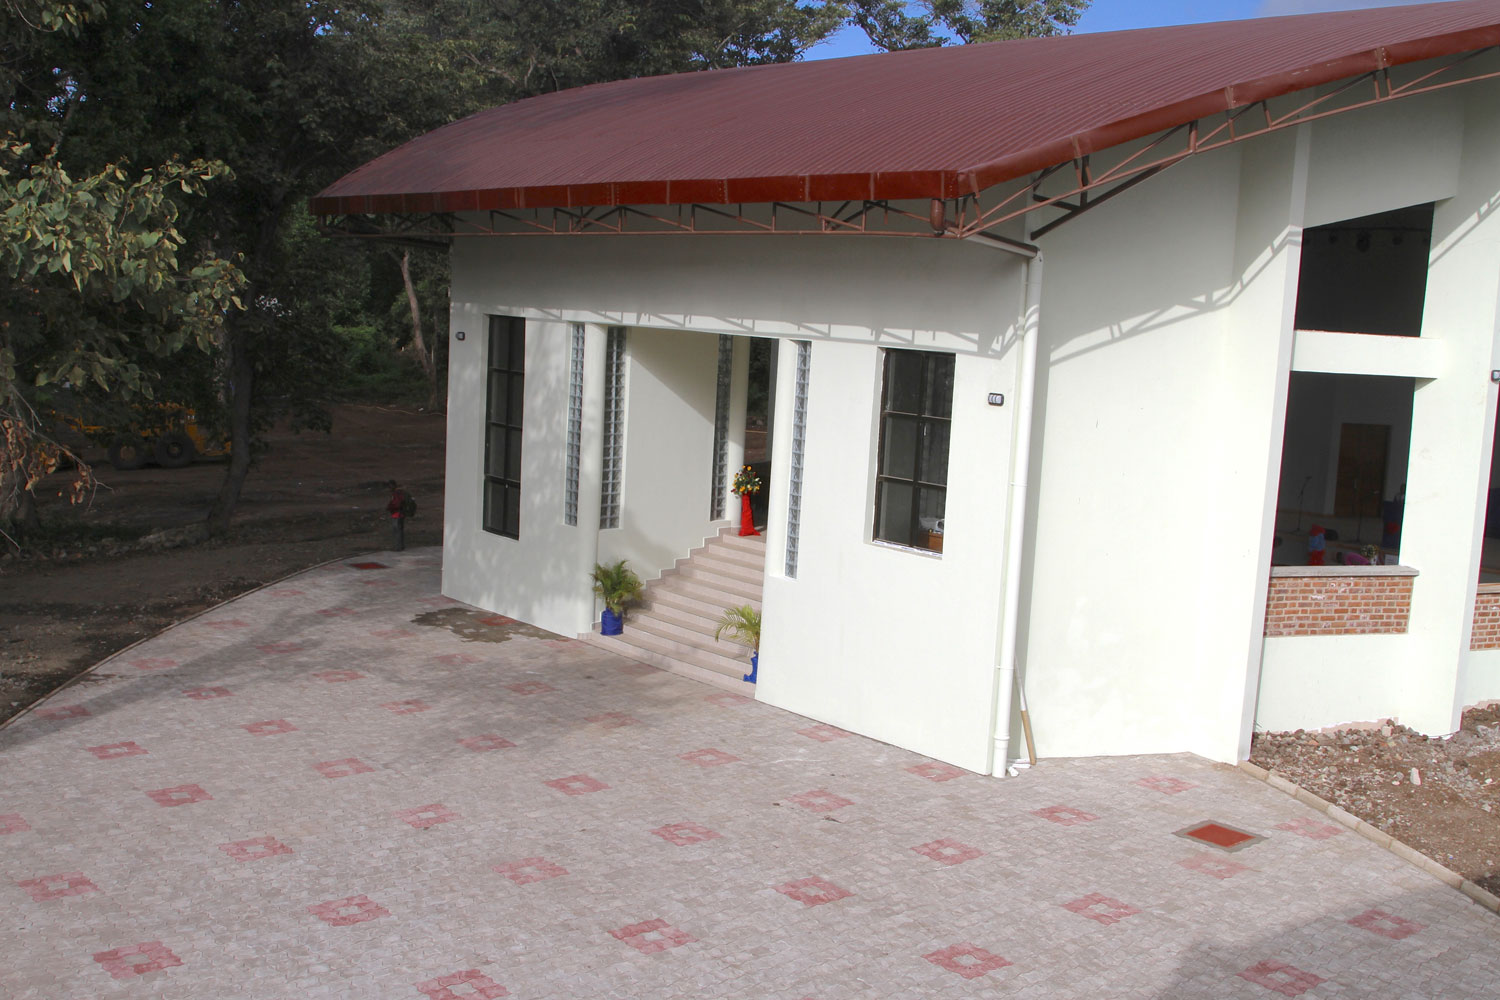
column 760, row 415
column 1343, row 469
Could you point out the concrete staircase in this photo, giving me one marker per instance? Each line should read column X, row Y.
column 673, row 627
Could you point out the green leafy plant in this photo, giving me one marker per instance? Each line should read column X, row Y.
column 742, row 624
column 616, row 585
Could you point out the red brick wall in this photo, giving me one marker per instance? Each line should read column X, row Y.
column 1341, row 605
column 1486, row 633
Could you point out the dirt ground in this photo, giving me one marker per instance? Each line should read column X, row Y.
column 1438, row 796
column 312, row 497
column 315, row 497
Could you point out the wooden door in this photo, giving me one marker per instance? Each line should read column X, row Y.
column 1363, row 450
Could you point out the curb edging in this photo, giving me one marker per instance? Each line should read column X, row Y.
column 1349, row 821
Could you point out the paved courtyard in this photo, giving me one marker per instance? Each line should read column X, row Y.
column 346, row 785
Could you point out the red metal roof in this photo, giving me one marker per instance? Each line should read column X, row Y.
column 917, row 124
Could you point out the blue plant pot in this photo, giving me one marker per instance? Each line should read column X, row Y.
column 754, row 667
column 610, row 623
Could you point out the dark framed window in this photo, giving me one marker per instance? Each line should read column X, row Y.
column 503, row 408
column 916, row 414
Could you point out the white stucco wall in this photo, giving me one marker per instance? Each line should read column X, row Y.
column 1323, row 681
column 541, row 577
column 669, row 434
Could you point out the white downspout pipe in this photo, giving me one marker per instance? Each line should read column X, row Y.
column 1005, row 683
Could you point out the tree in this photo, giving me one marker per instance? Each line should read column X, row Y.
column 94, row 270
column 895, row 24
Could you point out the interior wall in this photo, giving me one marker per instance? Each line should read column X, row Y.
column 670, row 390
column 1366, row 275
column 1318, row 406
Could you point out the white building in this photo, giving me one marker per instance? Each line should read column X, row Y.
column 1307, row 207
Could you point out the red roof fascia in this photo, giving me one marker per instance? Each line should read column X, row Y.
column 1171, row 48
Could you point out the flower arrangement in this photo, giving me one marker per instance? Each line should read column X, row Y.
column 746, row 481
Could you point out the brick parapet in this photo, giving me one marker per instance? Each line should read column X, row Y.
column 1341, row 600
column 1486, row 631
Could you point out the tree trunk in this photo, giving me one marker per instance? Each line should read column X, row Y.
column 429, row 367
column 241, row 384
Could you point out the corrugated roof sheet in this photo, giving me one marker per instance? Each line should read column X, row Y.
column 916, row 124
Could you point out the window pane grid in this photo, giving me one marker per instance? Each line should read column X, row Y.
column 614, row 428
column 799, row 438
column 915, row 425
column 575, row 427
column 504, row 411
column 718, row 487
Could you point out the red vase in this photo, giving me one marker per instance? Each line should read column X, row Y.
column 747, row 519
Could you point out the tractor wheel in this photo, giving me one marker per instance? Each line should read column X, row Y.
column 174, row 449
column 127, row 452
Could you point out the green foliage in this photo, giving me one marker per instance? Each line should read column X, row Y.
column 616, row 585
column 896, row 24
column 742, row 624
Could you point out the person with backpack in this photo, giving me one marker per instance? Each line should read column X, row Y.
column 400, row 507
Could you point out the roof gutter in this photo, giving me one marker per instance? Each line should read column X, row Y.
column 1007, row 677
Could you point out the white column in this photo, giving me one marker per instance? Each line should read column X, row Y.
column 739, row 397
column 1252, row 382
column 1453, row 419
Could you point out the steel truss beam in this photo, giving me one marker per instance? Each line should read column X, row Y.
column 1069, row 188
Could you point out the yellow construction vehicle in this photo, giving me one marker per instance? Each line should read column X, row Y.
column 167, row 434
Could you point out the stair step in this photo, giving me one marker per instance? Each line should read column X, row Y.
column 683, row 651
column 747, row 543
column 745, row 589
column 753, row 559
column 711, row 562
column 729, row 681
column 698, row 620
column 692, row 594
column 699, row 637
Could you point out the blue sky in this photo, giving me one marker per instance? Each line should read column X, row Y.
column 1115, row 15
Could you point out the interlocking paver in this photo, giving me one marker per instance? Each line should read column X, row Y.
column 578, row 839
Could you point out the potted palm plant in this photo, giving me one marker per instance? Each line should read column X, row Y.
column 616, row 586
column 743, row 625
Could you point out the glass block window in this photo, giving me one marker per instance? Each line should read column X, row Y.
column 614, row 428
column 719, row 486
column 575, row 427
column 916, row 411
column 504, row 396
column 799, row 438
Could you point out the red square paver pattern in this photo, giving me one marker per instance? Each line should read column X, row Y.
column 342, row 768
column 1278, row 977
column 348, row 911
column 424, row 816
column 470, row 984
column 270, row 727
column 61, row 712
column 529, row 870
column 57, row 886
column 137, row 959
column 576, row 784
column 813, row 891
column 708, row 757
column 1386, row 925
column 651, row 936
column 820, row 800
column 179, row 795
column 13, row 823
column 683, row 834
column 255, row 848
column 968, row 960
column 1064, row 815
column 935, row 770
column 948, row 852
column 1102, row 908
column 111, row 751
column 488, row 741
